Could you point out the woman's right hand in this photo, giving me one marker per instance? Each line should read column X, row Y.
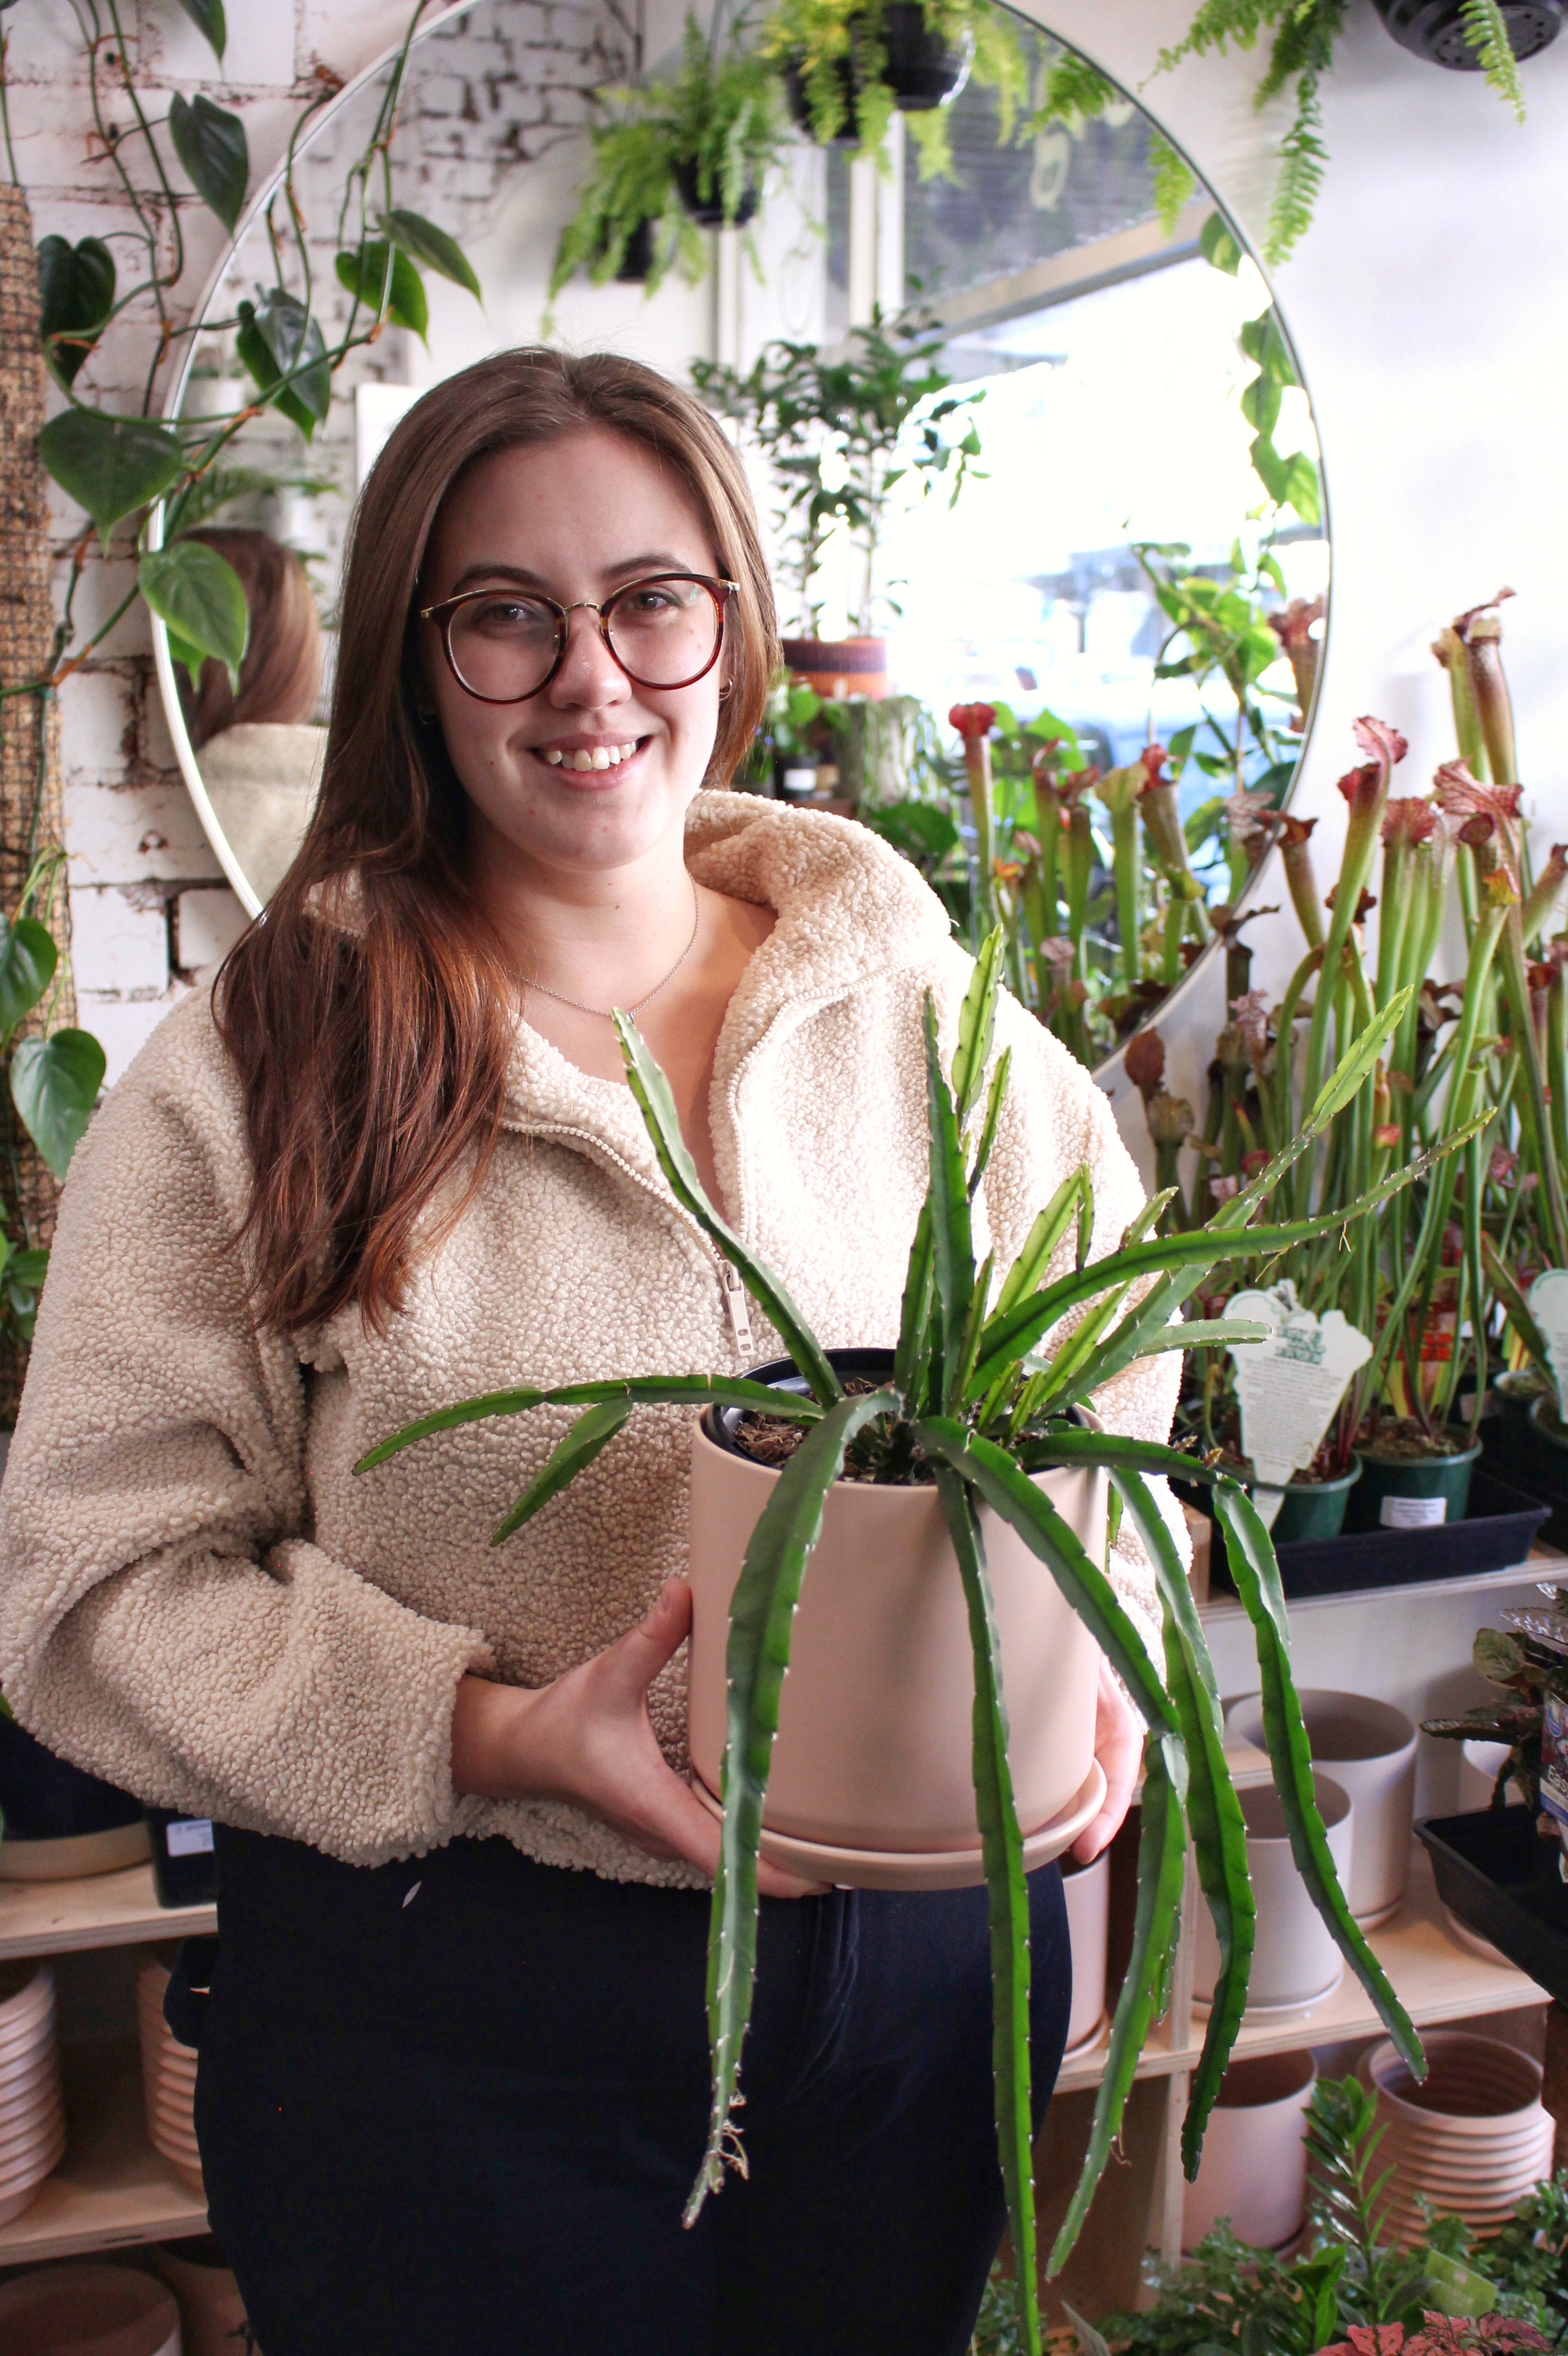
column 589, row 1738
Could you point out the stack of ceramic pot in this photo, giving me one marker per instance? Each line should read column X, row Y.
column 1296, row 1964
column 168, row 2073
column 1367, row 1749
column 1473, row 2138
column 32, row 2108
column 88, row 2311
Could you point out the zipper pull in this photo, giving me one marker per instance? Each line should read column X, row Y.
column 735, row 1304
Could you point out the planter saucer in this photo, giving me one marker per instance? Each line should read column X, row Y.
column 949, row 1868
column 75, row 1855
column 1090, row 2039
column 1291, row 2011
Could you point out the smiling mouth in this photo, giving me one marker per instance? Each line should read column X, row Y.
column 581, row 761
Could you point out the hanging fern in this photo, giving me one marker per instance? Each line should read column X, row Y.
column 1073, row 87
column 1301, row 53
column 1174, row 184
column 1488, row 36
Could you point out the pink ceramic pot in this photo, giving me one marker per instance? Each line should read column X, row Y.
column 1253, row 2169
column 88, row 2311
column 871, row 1782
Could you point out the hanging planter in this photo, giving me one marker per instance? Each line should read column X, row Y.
column 839, row 112
column 1434, row 30
column 702, row 194
column 924, row 68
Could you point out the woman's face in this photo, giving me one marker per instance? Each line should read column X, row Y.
column 575, row 518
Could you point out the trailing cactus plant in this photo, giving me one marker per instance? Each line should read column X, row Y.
column 982, row 1396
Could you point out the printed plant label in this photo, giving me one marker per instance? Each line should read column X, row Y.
column 1290, row 1385
column 1412, row 1513
column 1548, row 1305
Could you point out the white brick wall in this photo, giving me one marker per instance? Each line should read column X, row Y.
column 148, row 904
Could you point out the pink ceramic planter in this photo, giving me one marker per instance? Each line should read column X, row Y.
column 871, row 1783
column 1253, row 2169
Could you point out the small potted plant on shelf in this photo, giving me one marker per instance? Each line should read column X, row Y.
column 966, row 1450
column 688, row 151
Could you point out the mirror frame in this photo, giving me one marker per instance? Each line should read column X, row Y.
column 174, row 712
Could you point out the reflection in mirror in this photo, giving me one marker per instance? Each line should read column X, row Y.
column 1026, row 430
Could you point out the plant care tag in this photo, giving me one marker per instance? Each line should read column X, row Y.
column 189, row 1835
column 1548, row 1305
column 1412, row 1513
column 1290, row 1385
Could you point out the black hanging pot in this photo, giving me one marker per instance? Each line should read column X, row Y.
column 799, row 105
column 637, row 259
column 708, row 213
column 923, row 70
column 1434, row 30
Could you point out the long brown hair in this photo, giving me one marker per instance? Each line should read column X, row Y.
column 372, row 1036
column 280, row 676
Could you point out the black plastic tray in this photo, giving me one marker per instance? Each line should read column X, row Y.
column 1497, row 1532
column 1501, row 1878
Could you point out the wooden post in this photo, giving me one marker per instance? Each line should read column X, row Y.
column 32, row 815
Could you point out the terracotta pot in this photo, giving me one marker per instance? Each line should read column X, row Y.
column 1295, row 1962
column 212, row 2313
column 1087, row 1889
column 1253, row 2169
column 871, row 1780
column 1369, row 1749
column 835, row 668
column 88, row 2311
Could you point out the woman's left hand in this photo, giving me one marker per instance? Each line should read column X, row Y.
column 1118, row 1747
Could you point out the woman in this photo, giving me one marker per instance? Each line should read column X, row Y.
column 453, row 2084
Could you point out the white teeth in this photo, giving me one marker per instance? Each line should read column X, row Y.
column 603, row 757
column 553, row 757
column 627, row 751
column 600, row 757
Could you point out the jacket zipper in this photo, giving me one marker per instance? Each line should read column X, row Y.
column 736, row 1307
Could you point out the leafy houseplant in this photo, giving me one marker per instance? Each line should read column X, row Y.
column 850, row 85
column 838, row 436
column 688, row 150
column 981, row 1396
column 1349, row 2291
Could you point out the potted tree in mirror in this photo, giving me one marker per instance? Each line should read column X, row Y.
column 969, row 1444
column 838, row 436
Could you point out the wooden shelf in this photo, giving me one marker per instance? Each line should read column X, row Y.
column 112, row 2190
column 107, row 1910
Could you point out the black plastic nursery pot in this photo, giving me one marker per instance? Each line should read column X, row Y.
column 43, row 1798
column 922, row 70
column 1498, row 1875
column 638, row 258
column 1411, row 1493
column 708, row 212
column 1434, row 30
column 1496, row 1534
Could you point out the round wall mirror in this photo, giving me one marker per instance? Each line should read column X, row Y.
column 1099, row 529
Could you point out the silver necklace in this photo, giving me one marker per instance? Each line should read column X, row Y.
column 605, row 1013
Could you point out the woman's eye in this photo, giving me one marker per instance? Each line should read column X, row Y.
column 510, row 614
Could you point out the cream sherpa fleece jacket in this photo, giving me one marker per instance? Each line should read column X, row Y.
column 199, row 1601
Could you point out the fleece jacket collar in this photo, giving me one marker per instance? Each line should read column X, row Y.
column 847, row 906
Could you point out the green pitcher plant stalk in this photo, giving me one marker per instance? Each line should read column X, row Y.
column 982, row 1396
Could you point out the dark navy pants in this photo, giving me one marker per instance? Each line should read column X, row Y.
column 454, row 2108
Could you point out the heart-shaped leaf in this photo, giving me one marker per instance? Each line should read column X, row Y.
column 54, row 1087
column 28, row 960
column 208, row 18
column 211, row 144
column 201, row 597
column 190, row 657
column 76, row 294
column 281, row 346
column 363, row 273
column 423, row 241
column 109, row 466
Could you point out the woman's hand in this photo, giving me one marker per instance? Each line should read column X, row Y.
column 1118, row 1747
column 588, row 1739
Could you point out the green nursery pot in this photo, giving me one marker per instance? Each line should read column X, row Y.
column 1547, row 1451
column 1313, row 1509
column 1411, row 1493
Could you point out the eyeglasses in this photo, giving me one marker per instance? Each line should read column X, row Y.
column 505, row 644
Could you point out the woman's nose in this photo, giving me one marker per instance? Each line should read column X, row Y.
column 589, row 673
